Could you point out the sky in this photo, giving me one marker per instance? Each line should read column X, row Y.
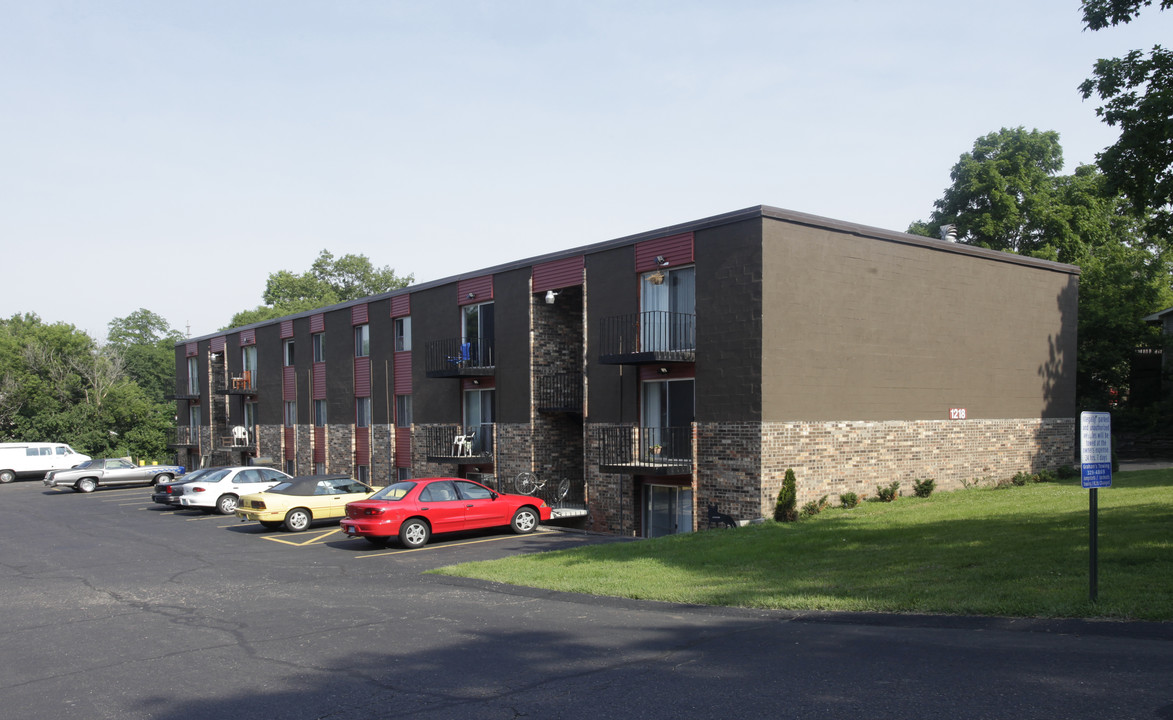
column 171, row 155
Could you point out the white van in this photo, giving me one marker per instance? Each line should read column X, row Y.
column 34, row 459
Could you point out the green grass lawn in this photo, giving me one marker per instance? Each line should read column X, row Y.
column 1019, row 551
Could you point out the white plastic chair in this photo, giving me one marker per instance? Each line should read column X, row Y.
column 462, row 445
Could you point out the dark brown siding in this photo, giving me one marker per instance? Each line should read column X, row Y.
column 676, row 250
column 729, row 323
column 558, row 274
column 512, row 339
column 435, row 316
column 612, row 289
column 856, row 328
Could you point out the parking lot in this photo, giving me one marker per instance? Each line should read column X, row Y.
column 117, row 608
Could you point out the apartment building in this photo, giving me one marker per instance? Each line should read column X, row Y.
column 665, row 373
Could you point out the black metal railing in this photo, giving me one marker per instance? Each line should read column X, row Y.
column 243, row 438
column 187, row 436
column 559, row 392
column 455, row 357
column 626, row 446
column 659, row 335
column 453, row 443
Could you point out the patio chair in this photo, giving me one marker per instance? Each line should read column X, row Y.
column 462, row 445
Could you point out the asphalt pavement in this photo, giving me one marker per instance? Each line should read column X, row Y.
column 117, row 608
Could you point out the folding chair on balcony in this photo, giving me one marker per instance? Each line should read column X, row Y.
column 462, row 445
column 239, row 436
column 465, row 354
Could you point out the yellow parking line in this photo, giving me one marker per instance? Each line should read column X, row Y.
column 435, row 547
column 311, row 541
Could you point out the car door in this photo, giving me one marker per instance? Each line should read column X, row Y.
column 442, row 506
column 480, row 509
column 121, row 472
column 244, row 481
column 332, row 494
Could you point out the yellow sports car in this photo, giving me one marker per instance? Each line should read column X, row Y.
column 299, row 501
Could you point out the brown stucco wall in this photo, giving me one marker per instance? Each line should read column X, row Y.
column 864, row 328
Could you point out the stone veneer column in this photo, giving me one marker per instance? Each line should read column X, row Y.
column 382, row 450
column 340, row 449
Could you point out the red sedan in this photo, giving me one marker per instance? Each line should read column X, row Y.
column 414, row 510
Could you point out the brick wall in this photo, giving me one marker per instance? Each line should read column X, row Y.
column 829, row 458
column 382, row 450
column 515, row 451
column 340, row 449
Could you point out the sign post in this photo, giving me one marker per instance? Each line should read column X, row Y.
column 1095, row 471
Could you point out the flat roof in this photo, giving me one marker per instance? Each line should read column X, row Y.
column 750, row 213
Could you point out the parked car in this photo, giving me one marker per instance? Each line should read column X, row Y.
column 297, row 502
column 221, row 489
column 36, row 459
column 414, row 510
column 93, row 474
column 168, row 493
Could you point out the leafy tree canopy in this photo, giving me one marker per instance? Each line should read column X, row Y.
column 146, row 342
column 1137, row 92
column 329, row 281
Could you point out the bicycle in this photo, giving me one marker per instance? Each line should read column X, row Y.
column 528, row 483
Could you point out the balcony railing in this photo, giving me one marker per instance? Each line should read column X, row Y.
column 186, row 436
column 457, row 357
column 239, row 438
column 455, row 444
column 560, row 392
column 624, row 449
column 654, row 336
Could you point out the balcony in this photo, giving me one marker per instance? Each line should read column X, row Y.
column 183, row 395
column 244, row 383
column 239, row 439
column 454, row 444
column 560, row 392
column 186, row 436
column 457, row 357
column 628, row 450
column 648, row 337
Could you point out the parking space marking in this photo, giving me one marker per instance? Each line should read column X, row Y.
column 303, row 543
column 435, row 547
column 202, row 516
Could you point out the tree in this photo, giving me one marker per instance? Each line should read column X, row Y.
column 327, row 282
column 1137, row 92
column 1007, row 196
column 57, row 384
column 146, row 342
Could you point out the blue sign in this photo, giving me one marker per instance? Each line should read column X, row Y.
column 1095, row 449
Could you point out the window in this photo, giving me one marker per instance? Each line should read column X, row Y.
column 667, row 510
column 362, row 412
column 193, row 376
column 403, row 334
column 478, row 333
column 248, row 360
column 319, row 413
column 668, row 410
column 290, row 468
column 362, row 473
column 290, row 413
column 319, row 468
column 479, row 417
column 403, row 411
column 319, row 340
column 250, row 416
column 668, row 304
column 362, row 340
column 288, row 354
column 402, row 473
column 193, row 416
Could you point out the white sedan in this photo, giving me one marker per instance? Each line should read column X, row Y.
column 220, row 490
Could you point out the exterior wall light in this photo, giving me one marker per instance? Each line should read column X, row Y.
column 661, row 261
column 550, row 295
column 471, row 296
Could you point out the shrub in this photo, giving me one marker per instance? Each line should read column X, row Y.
column 1045, row 476
column 923, row 488
column 1020, row 478
column 1004, row 483
column 848, row 500
column 889, row 493
column 967, row 484
column 814, row 507
column 785, row 510
column 1067, row 472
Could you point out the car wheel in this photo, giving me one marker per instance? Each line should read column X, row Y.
column 297, row 519
column 414, row 533
column 271, row 524
column 7, row 476
column 380, row 540
column 226, row 505
column 85, row 485
column 164, row 478
column 525, row 520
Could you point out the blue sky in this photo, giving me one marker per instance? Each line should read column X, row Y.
column 171, row 155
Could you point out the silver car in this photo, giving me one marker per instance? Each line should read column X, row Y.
column 93, row 474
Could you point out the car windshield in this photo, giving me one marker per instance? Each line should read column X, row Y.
column 394, row 492
column 87, row 463
column 215, row 475
column 201, row 474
